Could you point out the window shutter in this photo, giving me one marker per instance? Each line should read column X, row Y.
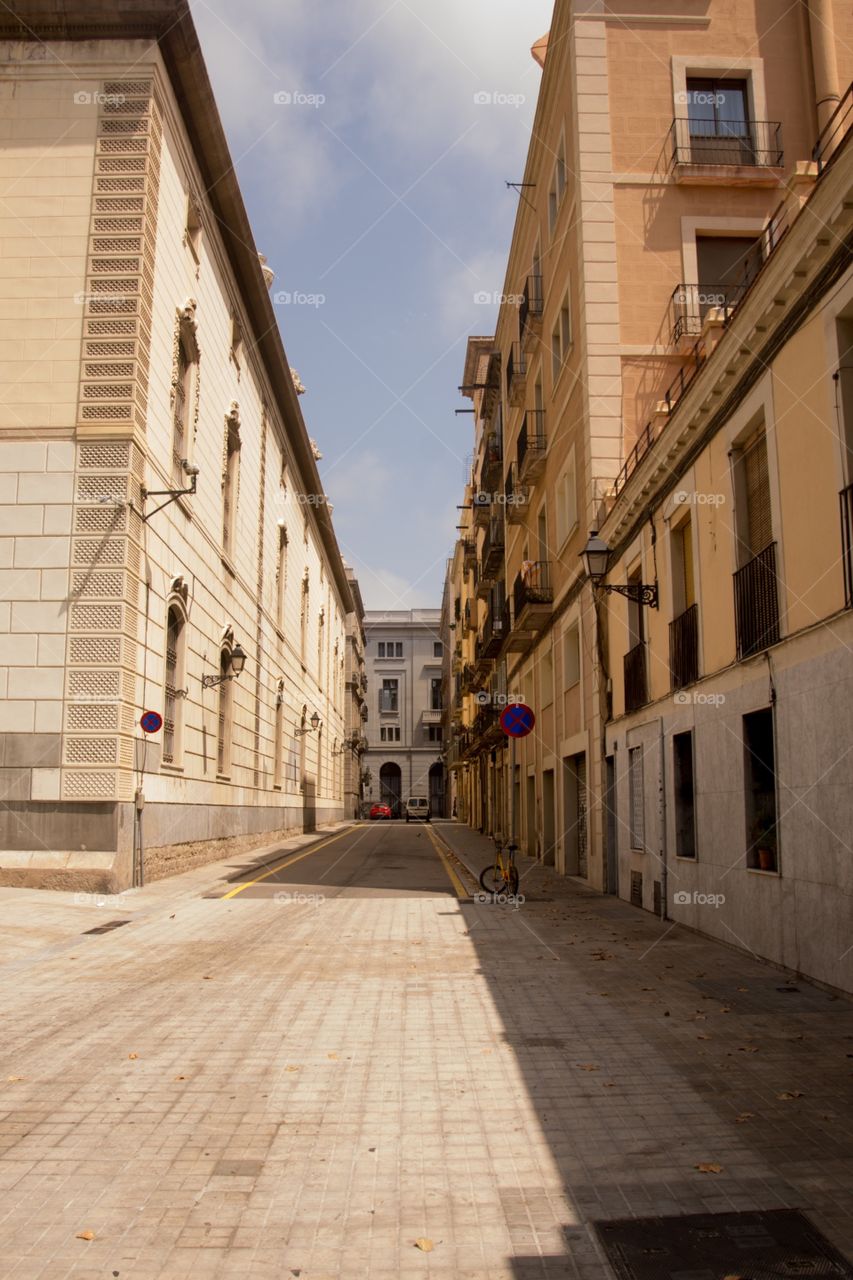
column 759, row 531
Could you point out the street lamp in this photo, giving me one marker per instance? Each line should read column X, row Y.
column 313, row 723
column 236, row 663
column 596, row 557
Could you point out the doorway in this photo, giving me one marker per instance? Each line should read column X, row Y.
column 549, row 839
column 575, row 807
column 531, row 816
column 612, row 885
column 391, row 787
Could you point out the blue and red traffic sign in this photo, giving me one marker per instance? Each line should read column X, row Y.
column 517, row 720
column 150, row 721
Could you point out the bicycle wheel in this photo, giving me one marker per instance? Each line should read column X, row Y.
column 492, row 879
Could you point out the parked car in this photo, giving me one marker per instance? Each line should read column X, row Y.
column 417, row 809
column 380, row 811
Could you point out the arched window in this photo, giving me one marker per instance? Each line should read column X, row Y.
column 230, row 480
column 224, row 720
column 174, row 685
column 281, row 576
column 303, row 617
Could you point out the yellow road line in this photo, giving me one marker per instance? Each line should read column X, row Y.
column 459, row 888
column 288, row 862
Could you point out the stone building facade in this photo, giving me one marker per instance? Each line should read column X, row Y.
column 142, row 363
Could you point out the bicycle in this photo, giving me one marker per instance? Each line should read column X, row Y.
column 501, row 876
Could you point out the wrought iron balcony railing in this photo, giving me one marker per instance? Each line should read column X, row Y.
column 684, row 648
column 738, row 143
column 532, row 445
column 532, row 303
column 757, row 603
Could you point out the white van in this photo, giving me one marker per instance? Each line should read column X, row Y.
column 417, row 808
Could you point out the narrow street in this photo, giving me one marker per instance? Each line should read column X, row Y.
column 327, row 1058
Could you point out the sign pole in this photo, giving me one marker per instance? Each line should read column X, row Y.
column 512, row 839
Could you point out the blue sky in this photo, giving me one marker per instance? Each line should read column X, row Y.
column 375, row 186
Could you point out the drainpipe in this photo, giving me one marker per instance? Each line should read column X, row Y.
column 663, row 833
column 824, row 64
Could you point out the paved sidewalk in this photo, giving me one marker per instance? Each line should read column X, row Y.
column 257, row 1088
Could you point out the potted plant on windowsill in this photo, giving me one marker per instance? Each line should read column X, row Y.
column 763, row 837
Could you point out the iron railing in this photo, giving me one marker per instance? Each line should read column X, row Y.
column 533, row 585
column 846, row 497
column 531, row 437
column 757, row 603
column 834, row 133
column 531, row 305
column 493, row 547
column 636, row 677
column 690, row 303
column 755, row 143
column 684, row 648
column 516, row 365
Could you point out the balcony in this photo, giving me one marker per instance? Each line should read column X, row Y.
column 745, row 152
column 467, row 618
column 533, row 595
column 515, row 497
column 530, row 312
column 516, row 374
column 433, row 715
column 516, row 639
column 469, row 554
column 684, row 648
column 481, row 504
column 492, row 556
column 486, row 728
column 388, row 701
column 491, row 472
column 493, row 633
column 691, row 303
column 846, row 497
column 757, row 603
column 532, row 449
column 468, row 679
column 636, row 677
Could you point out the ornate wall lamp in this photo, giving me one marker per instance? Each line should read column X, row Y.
column 596, row 557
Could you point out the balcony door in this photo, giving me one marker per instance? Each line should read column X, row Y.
column 718, row 122
column 726, row 265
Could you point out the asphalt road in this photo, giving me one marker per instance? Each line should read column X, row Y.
column 382, row 859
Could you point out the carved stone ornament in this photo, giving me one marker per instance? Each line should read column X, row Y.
column 297, row 382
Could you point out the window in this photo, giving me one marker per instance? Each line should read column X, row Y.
column 174, row 680
column 546, row 677
column 561, row 338
column 281, row 576
column 435, row 694
column 389, row 649
column 718, row 125
column 725, row 266
column 685, row 805
column 389, row 695
column 755, row 526
column 389, row 733
column 398, row 649
column 437, row 649
column 236, row 342
column 231, row 482
column 303, row 618
column 434, row 733
column 278, row 738
column 636, row 799
column 756, row 583
column 566, row 499
column 759, row 758
column 571, row 657
column 558, row 185
column 223, row 730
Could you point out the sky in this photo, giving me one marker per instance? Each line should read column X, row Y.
column 372, row 140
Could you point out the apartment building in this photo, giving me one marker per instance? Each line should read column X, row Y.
column 662, row 149
column 356, row 713
column 404, row 661
column 167, row 543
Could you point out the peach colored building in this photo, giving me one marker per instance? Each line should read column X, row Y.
column 664, row 142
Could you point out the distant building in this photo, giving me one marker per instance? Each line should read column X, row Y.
column 356, row 712
column 404, row 659
column 142, row 360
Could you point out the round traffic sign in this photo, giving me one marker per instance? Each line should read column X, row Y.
column 150, row 721
column 517, row 720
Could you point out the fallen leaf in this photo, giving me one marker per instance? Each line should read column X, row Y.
column 587, row 1066
column 85, row 1235
column 743, row 988
column 180, row 1077
column 744, row 1116
column 747, row 1048
column 331, row 1055
column 789, row 1097
column 207, row 977
column 709, row 1168
column 15, row 1079
column 133, row 1055
column 424, row 1244
column 703, row 1037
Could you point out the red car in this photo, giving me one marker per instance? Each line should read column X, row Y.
column 380, row 811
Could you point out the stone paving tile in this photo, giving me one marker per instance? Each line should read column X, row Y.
column 232, row 1089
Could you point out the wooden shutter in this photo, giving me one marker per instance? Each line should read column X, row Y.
column 759, row 525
